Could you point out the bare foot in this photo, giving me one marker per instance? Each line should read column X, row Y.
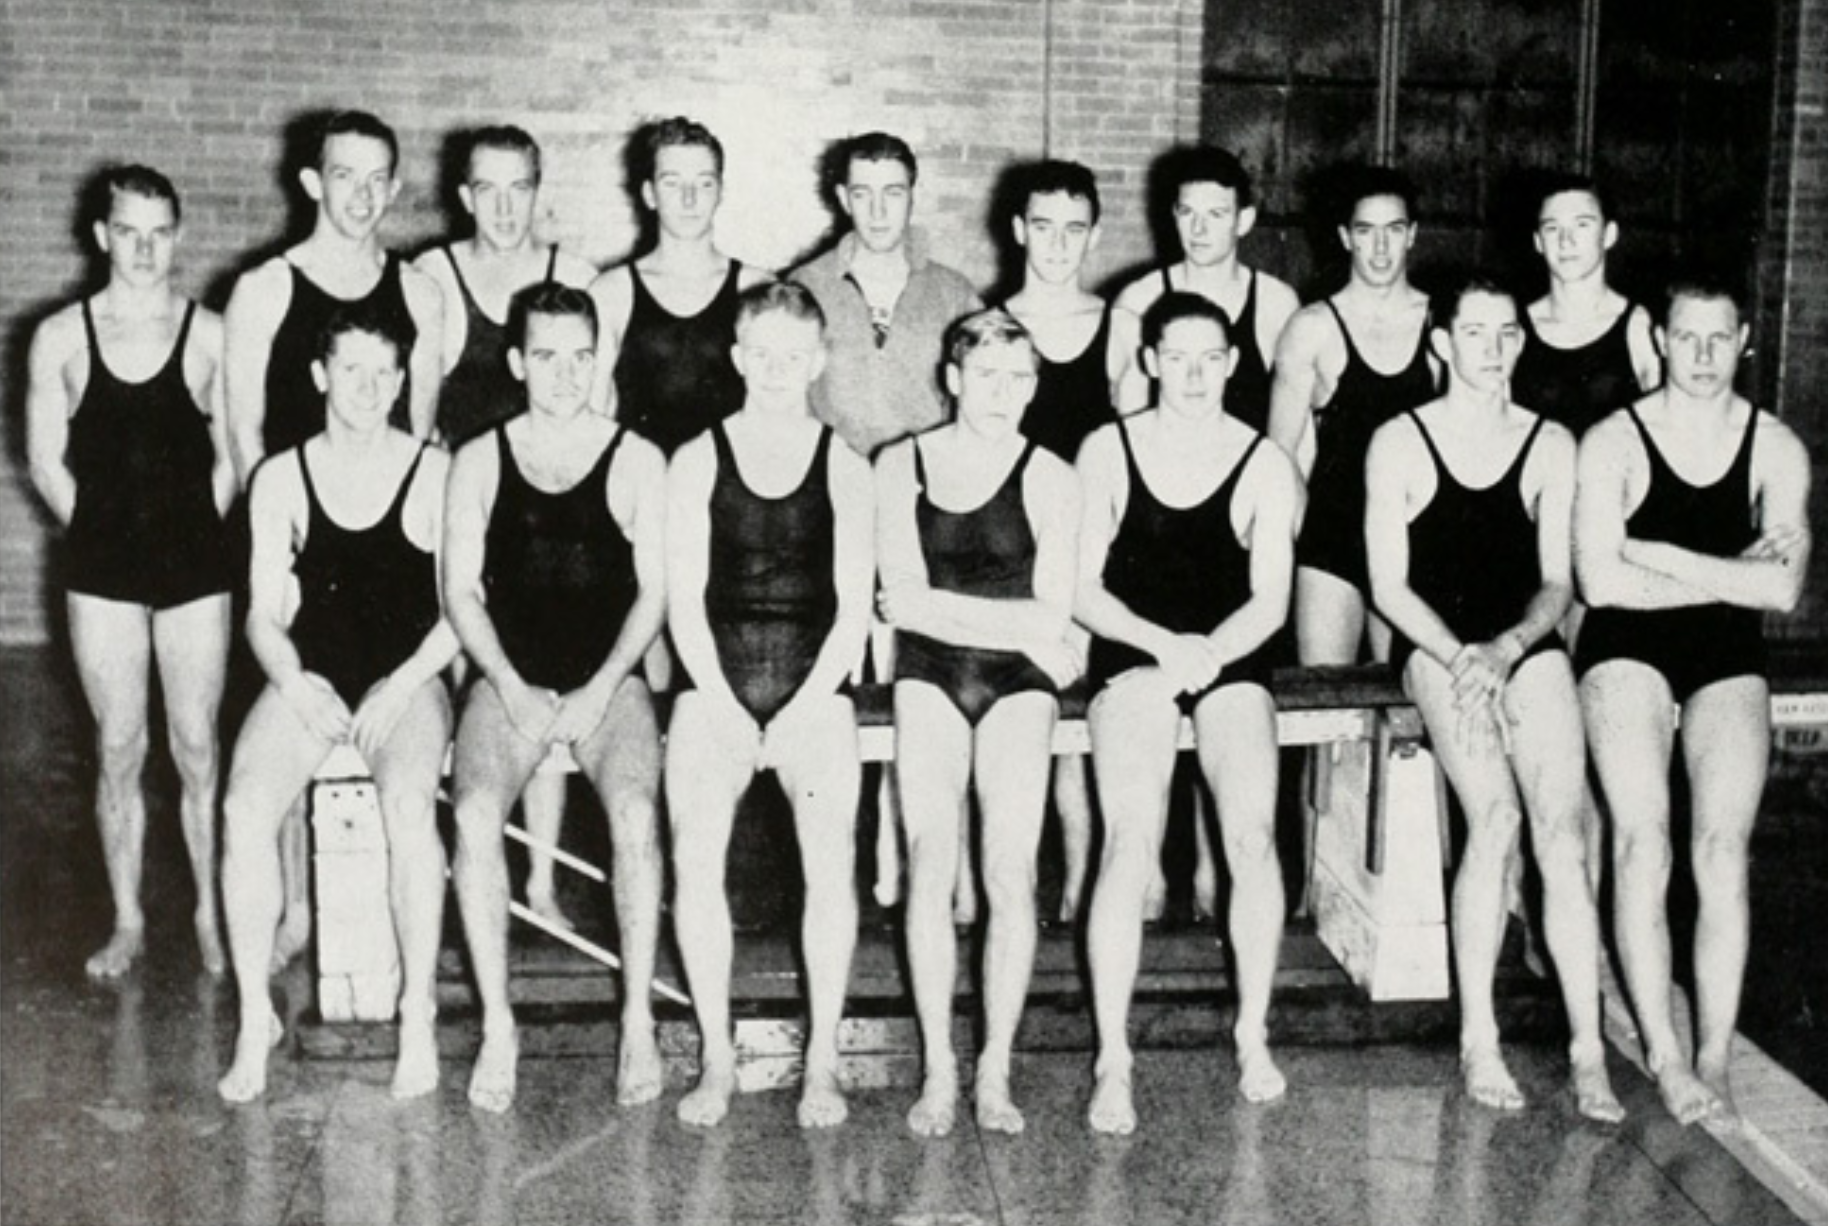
column 887, row 890
column 996, row 1109
column 822, row 1102
column 492, row 1077
column 1111, row 1111
column 1488, row 1081
column 709, row 1101
column 416, row 1066
column 1069, row 906
column 209, row 943
column 116, row 957
column 1155, row 901
column 290, row 941
column 1259, row 1080
column 246, row 1079
column 1685, row 1096
column 964, row 907
column 544, row 905
column 640, row 1075
column 1593, row 1096
column 1726, row 1119
column 934, row 1111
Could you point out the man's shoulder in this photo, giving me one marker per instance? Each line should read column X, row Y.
column 60, row 332
column 820, row 272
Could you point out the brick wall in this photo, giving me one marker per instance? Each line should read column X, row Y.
column 972, row 84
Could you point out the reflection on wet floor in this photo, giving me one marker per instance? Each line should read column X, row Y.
column 108, row 1112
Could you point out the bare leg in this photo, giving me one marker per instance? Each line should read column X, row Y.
column 275, row 757
column 543, row 803
column 1073, row 803
column 1547, row 745
column 1134, row 724
column 1238, row 753
column 493, row 762
column 888, row 813
column 1630, row 719
column 295, row 872
column 1329, row 630
column 1471, row 752
column 406, row 775
column 708, row 766
column 1010, row 762
column 933, row 751
column 112, row 644
column 1726, row 744
column 822, row 776
column 622, row 758
column 191, row 642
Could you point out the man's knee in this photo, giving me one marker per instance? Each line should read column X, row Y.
column 196, row 752
column 408, row 808
column 1494, row 827
column 121, row 754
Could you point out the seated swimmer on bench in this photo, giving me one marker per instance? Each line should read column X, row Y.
column 980, row 598
column 1467, row 522
column 1186, row 557
column 353, row 516
column 554, row 574
column 769, row 573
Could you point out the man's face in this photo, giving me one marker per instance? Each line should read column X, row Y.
column 779, row 356
column 1192, row 361
column 500, row 195
column 1481, row 345
column 1379, row 238
column 139, row 239
column 556, row 362
column 1210, row 223
column 878, row 197
column 993, row 386
column 355, row 185
column 1573, row 235
column 1056, row 231
column 685, row 190
column 1701, row 345
column 360, row 380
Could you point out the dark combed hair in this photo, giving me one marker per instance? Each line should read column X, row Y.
column 362, row 317
column 1559, row 182
column 1706, row 281
column 1444, row 306
column 1366, row 182
column 1057, row 177
column 1206, row 164
column 134, row 180
column 548, row 298
column 677, row 132
column 356, row 123
column 877, row 147
column 787, row 297
column 1178, row 304
column 984, row 328
column 505, row 137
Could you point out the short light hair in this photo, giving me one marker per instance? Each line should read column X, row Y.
column 983, row 329
column 785, row 297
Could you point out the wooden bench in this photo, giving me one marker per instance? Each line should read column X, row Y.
column 1377, row 885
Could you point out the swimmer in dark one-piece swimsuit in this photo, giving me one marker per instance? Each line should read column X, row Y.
column 1466, row 525
column 351, row 520
column 1161, row 636
column 768, row 586
column 976, row 527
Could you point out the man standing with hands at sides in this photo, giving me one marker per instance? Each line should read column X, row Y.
column 125, row 436
column 554, row 573
column 1469, row 503
column 1214, row 207
column 1679, row 554
column 1344, row 366
column 275, row 319
column 981, row 601
column 1183, row 579
column 351, row 519
column 478, row 277
column 1070, row 330
column 769, row 571
column 669, row 317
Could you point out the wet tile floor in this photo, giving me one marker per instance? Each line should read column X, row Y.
column 108, row 1112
